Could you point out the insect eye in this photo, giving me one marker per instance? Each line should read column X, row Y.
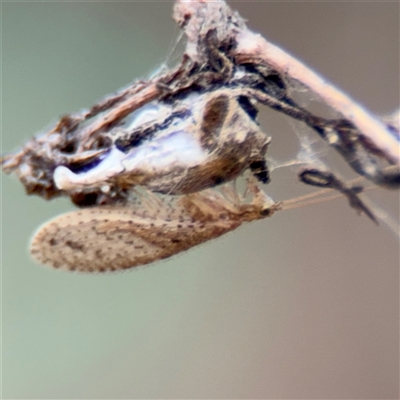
column 266, row 211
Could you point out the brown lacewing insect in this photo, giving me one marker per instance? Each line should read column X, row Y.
column 100, row 239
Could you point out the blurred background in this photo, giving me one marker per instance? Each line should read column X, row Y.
column 304, row 305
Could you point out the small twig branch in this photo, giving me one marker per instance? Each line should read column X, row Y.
column 251, row 45
column 221, row 52
column 200, row 17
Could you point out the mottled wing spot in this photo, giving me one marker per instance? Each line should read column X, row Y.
column 215, row 113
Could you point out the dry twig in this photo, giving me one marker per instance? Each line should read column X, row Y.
column 221, row 52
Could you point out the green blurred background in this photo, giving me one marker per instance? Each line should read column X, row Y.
column 304, row 305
